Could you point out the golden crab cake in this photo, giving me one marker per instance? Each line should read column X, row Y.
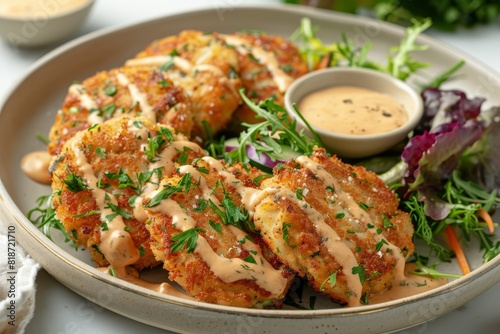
column 100, row 172
column 202, row 233
column 213, row 99
column 193, row 47
column 267, row 66
column 139, row 90
column 205, row 67
column 335, row 224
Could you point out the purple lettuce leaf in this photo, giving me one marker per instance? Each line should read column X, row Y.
column 450, row 127
column 481, row 163
column 446, row 106
column 431, row 157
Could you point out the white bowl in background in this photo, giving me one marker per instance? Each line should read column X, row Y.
column 354, row 145
column 36, row 23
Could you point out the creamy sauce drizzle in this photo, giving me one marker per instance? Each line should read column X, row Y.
column 352, row 110
column 357, row 214
column 116, row 243
column 120, row 251
column 86, row 102
column 180, row 63
column 35, row 8
column 403, row 284
column 148, row 61
column 165, row 160
column 186, row 67
column 226, row 269
column 280, row 77
column 81, row 93
column 331, row 240
column 36, row 166
column 360, row 220
column 146, row 109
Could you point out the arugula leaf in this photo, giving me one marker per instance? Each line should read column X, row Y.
column 273, row 134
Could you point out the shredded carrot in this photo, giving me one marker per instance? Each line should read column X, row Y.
column 487, row 219
column 459, row 253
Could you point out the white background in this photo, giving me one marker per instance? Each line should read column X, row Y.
column 59, row 310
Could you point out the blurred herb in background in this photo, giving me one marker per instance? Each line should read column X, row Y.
column 445, row 14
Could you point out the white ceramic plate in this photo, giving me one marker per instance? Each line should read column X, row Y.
column 31, row 108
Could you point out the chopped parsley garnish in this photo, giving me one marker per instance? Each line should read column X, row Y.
column 183, row 185
column 184, row 156
column 232, row 214
column 365, row 206
column 74, row 183
column 216, row 226
column 123, row 178
column 142, row 251
column 164, row 135
column 286, row 234
column 119, row 211
column 163, row 83
column 201, row 205
column 87, row 214
column 250, row 259
column 111, row 90
column 298, row 193
column 380, row 244
column 386, row 223
column 101, row 152
column 332, row 279
column 167, row 65
column 108, row 110
column 188, row 239
column 360, row 271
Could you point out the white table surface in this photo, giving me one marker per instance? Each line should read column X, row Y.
column 59, row 310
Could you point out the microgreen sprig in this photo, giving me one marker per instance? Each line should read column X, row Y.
column 465, row 199
column 44, row 216
column 276, row 131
